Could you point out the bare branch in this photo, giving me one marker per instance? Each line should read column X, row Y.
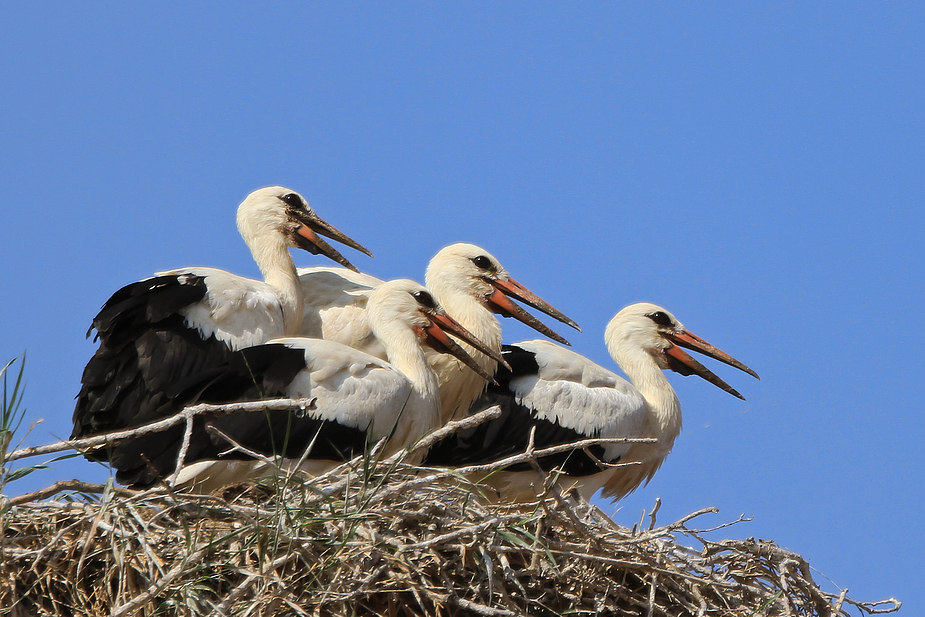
column 114, row 437
column 69, row 485
column 455, row 426
column 472, row 470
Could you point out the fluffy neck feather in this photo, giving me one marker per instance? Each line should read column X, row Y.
column 272, row 256
column 460, row 385
column 645, row 374
column 405, row 353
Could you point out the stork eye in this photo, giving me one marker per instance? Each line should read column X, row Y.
column 660, row 318
column 482, row 262
column 292, row 199
column 424, row 299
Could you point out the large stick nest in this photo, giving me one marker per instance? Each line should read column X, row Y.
column 378, row 540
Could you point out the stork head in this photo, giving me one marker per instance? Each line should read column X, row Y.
column 650, row 329
column 405, row 305
column 472, row 271
column 273, row 212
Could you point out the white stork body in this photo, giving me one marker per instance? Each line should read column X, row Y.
column 237, row 311
column 335, row 307
column 566, row 397
column 156, row 332
column 465, row 279
column 357, row 399
column 351, row 390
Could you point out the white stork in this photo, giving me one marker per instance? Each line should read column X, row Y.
column 154, row 333
column 566, row 398
column 465, row 279
column 357, row 399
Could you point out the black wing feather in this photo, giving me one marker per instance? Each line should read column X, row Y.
column 509, row 434
column 145, row 346
column 251, row 374
column 150, row 365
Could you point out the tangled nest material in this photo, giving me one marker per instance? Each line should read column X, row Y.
column 379, row 538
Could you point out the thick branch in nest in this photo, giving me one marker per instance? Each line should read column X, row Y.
column 186, row 415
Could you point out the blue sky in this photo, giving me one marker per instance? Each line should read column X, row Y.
column 759, row 170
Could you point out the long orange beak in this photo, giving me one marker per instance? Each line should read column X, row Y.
column 500, row 302
column 441, row 324
column 310, row 226
column 681, row 362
